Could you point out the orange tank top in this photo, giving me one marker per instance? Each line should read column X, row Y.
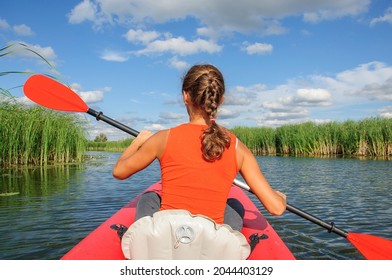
column 188, row 181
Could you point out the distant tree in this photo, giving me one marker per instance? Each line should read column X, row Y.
column 101, row 138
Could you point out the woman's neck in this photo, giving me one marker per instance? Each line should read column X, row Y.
column 197, row 117
column 197, row 121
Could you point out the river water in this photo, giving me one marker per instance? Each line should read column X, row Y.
column 46, row 211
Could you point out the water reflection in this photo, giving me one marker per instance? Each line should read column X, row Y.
column 36, row 180
column 54, row 207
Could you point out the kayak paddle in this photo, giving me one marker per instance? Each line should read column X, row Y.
column 52, row 94
column 371, row 247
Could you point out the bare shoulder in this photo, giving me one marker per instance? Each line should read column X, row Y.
column 159, row 140
column 243, row 153
column 243, row 149
column 162, row 134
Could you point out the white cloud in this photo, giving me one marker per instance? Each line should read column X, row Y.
column 238, row 99
column 158, row 43
column 365, row 74
column 91, row 96
column 213, row 20
column 23, row 100
column 275, row 119
column 172, row 116
column 257, row 48
column 385, row 112
column 214, row 17
column 387, row 18
column 207, row 32
column 178, row 64
column 115, row 56
column 293, row 114
column 141, row 36
column 23, row 30
column 86, row 10
column 179, row 46
column 95, row 128
column 292, row 102
column 312, row 97
column 241, row 95
column 327, row 10
column 291, row 106
column 75, row 86
column 4, row 24
column 371, row 80
column 378, row 91
column 226, row 113
column 20, row 29
column 154, row 127
column 276, row 105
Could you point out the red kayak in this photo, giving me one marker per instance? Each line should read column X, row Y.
column 104, row 243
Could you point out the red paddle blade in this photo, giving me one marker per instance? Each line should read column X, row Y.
column 371, row 247
column 51, row 94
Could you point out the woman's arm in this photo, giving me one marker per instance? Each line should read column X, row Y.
column 143, row 150
column 273, row 201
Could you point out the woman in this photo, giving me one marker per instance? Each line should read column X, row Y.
column 199, row 160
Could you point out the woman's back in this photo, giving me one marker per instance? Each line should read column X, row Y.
column 191, row 182
column 200, row 159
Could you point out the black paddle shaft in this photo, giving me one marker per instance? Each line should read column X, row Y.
column 101, row 117
column 329, row 226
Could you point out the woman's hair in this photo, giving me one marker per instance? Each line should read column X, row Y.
column 206, row 87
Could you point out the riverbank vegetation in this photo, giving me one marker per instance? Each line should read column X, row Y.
column 34, row 135
column 109, row 146
column 371, row 137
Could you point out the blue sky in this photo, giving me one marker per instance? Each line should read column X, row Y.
column 284, row 62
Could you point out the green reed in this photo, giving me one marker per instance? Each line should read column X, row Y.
column 368, row 137
column 33, row 135
column 109, row 146
column 261, row 140
column 37, row 136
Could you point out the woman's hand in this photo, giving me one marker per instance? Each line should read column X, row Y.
column 282, row 195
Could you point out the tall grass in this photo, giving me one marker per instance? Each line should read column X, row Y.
column 369, row 137
column 109, row 146
column 37, row 136
column 261, row 140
